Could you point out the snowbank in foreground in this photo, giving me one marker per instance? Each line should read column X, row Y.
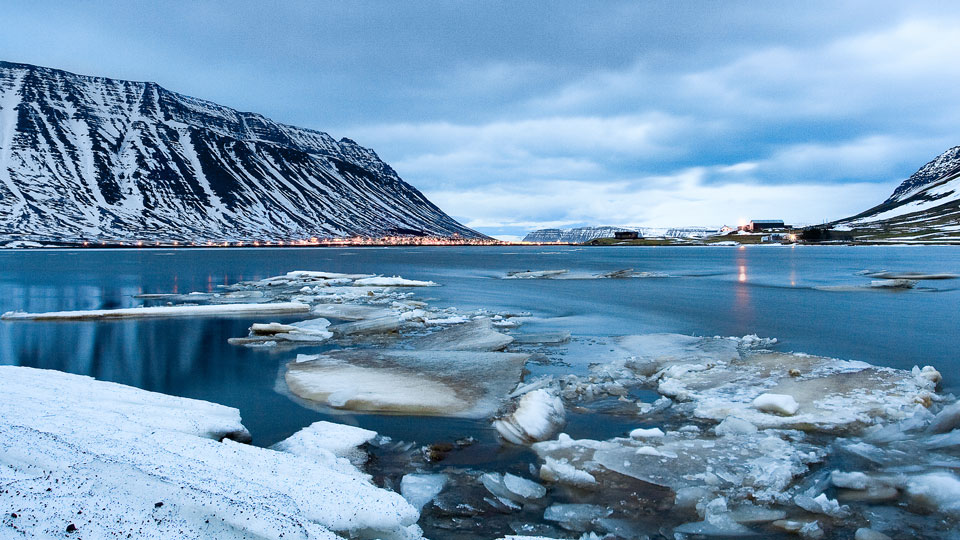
column 110, row 459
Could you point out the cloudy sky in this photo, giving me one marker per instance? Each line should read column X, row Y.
column 514, row 116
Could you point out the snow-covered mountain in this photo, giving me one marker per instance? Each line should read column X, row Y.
column 582, row 235
column 87, row 158
column 925, row 207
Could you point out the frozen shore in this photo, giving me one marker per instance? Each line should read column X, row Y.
column 106, row 460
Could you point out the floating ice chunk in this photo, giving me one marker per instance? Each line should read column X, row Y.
column 575, row 517
column 395, row 281
column 301, row 275
column 893, row 284
column 937, row 491
column 439, row 321
column 754, row 341
column 269, row 329
column 522, row 488
column 476, row 335
column 760, row 466
column 657, row 406
column 414, row 315
column 776, row 403
column 507, row 323
column 433, row 383
column 717, row 522
column 750, row 514
column 381, row 325
column 560, row 471
column 928, row 373
column 721, row 378
column 543, row 338
column 947, row 419
column 350, row 312
column 161, row 311
column 908, row 275
column 869, row 534
column 822, row 505
column 536, row 274
column 72, row 448
column 850, row 480
column 641, row 433
column 420, row 489
column 732, row 425
column 305, row 332
column 537, row 417
column 338, row 439
column 511, row 491
column 805, row 528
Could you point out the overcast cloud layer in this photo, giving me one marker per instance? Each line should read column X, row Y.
column 516, row 117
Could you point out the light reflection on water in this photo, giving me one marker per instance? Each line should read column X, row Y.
column 714, row 291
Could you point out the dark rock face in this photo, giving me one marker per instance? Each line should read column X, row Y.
column 941, row 166
column 88, row 158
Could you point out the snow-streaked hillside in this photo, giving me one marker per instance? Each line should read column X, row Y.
column 95, row 158
column 582, row 235
column 925, row 207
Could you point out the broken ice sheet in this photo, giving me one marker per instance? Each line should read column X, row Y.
column 758, row 466
column 321, row 438
column 432, row 383
column 721, row 377
column 308, row 332
column 476, row 335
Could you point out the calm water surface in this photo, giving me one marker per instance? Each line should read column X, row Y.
column 761, row 290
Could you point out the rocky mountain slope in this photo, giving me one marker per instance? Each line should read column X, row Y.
column 924, row 208
column 91, row 158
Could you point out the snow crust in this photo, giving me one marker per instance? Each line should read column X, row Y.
column 323, row 438
column 111, row 459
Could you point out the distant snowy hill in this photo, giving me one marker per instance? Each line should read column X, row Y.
column 924, row 208
column 582, row 235
column 95, row 158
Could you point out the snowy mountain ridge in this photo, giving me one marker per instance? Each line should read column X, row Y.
column 88, row 158
column 924, row 208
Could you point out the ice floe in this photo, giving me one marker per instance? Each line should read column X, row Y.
column 539, row 414
column 162, row 311
column 909, row 275
column 420, row 489
column 476, row 335
column 323, row 438
column 110, row 459
column 741, row 467
column 436, row 383
column 308, row 332
column 567, row 274
column 720, row 377
column 395, row 281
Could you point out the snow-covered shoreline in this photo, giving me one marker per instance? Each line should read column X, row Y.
column 109, row 459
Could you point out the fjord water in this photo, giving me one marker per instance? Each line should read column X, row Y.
column 769, row 291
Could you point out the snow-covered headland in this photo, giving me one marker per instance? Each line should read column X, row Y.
column 742, row 439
